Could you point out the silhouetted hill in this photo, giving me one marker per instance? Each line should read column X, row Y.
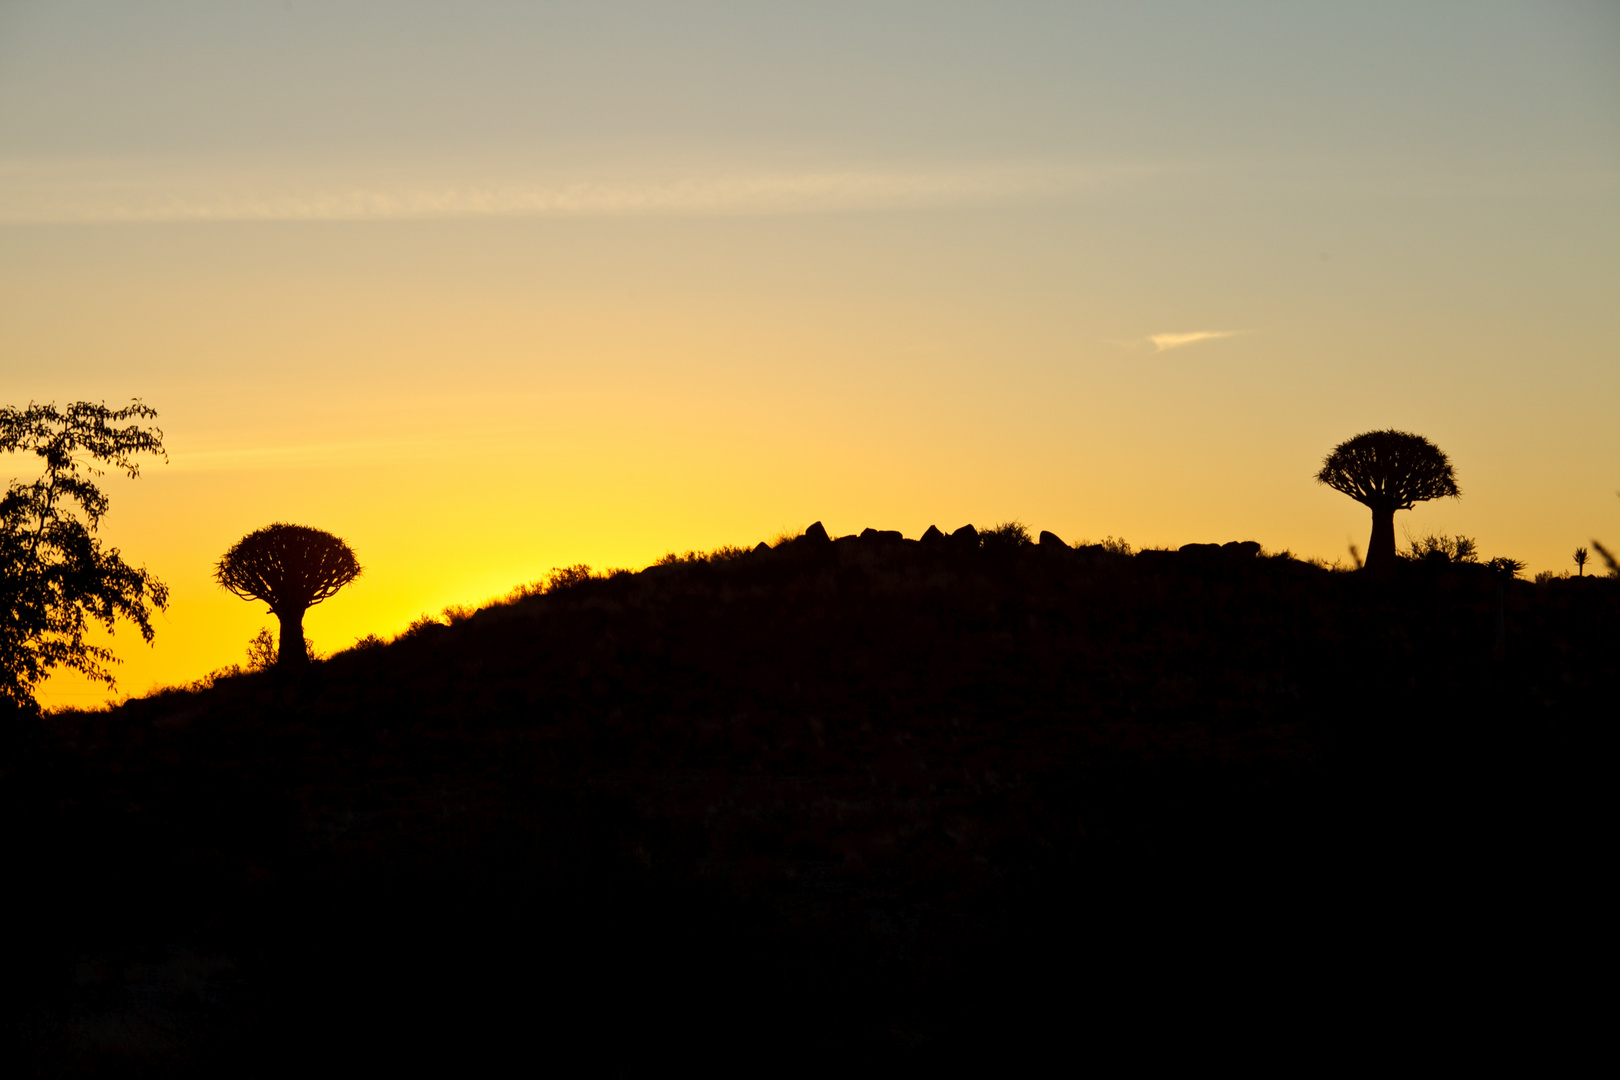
column 868, row 800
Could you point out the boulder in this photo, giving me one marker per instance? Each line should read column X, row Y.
column 761, row 548
column 881, row 534
column 932, row 536
column 1233, row 549
column 967, row 534
column 816, row 533
column 1050, row 539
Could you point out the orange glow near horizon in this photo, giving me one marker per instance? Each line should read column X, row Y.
column 600, row 283
column 468, row 435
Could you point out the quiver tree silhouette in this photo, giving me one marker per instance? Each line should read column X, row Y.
column 291, row 568
column 1387, row 471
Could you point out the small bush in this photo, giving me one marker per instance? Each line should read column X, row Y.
column 1008, row 536
column 559, row 578
column 419, row 625
column 1506, row 567
column 1439, row 546
column 458, row 613
column 261, row 650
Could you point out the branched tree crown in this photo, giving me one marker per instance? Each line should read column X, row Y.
column 289, row 567
column 1389, row 470
column 55, row 577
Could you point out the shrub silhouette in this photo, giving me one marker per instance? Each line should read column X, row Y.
column 1008, row 536
column 1580, row 562
column 291, row 568
column 1506, row 566
column 261, row 650
column 1439, row 546
column 1387, row 471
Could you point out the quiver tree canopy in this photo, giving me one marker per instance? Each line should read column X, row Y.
column 291, row 568
column 1387, row 471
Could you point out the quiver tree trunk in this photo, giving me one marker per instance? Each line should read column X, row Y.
column 1381, row 547
column 292, row 654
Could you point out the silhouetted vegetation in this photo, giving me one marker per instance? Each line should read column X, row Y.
column 262, row 653
column 291, row 568
column 1440, row 548
column 1387, row 471
column 1443, row 548
column 1608, row 558
column 56, row 579
column 865, row 803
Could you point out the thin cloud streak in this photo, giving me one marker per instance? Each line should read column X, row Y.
column 47, row 192
column 1161, row 342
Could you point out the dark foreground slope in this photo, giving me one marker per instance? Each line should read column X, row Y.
column 836, row 803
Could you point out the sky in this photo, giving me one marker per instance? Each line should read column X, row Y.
column 489, row 288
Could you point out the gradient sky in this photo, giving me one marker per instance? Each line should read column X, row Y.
column 488, row 288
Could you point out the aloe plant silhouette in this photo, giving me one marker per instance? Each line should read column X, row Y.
column 1387, row 471
column 291, row 568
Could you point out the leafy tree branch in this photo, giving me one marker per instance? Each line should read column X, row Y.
column 56, row 578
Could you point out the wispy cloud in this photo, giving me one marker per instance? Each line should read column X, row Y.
column 84, row 191
column 1161, row 342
